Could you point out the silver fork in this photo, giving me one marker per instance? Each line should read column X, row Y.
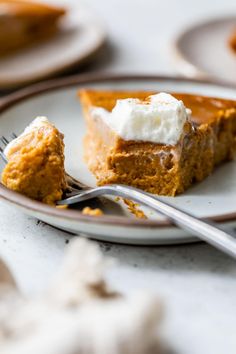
column 205, row 230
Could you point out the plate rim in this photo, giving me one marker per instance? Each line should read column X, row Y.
column 190, row 69
column 24, row 202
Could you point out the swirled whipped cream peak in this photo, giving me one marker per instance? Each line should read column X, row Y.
column 159, row 119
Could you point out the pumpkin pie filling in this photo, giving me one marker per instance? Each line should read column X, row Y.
column 208, row 139
column 35, row 165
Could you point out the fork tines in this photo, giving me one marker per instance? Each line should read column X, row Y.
column 5, row 142
column 3, row 155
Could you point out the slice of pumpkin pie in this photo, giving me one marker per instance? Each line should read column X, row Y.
column 35, row 165
column 159, row 142
column 24, row 22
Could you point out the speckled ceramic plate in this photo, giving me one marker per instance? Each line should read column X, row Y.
column 203, row 50
column 81, row 36
column 214, row 198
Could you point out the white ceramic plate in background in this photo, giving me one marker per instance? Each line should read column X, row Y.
column 81, row 36
column 203, row 51
column 214, row 198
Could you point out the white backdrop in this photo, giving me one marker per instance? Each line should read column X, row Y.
column 142, row 31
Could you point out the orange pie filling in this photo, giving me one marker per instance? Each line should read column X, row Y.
column 35, row 165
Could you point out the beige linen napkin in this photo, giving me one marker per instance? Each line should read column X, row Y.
column 78, row 314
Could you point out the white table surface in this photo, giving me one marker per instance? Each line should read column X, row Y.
column 196, row 282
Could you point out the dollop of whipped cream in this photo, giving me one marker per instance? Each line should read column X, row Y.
column 36, row 124
column 160, row 119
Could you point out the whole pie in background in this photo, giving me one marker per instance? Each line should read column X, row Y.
column 23, row 23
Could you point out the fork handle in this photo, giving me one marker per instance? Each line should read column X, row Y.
column 205, row 230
